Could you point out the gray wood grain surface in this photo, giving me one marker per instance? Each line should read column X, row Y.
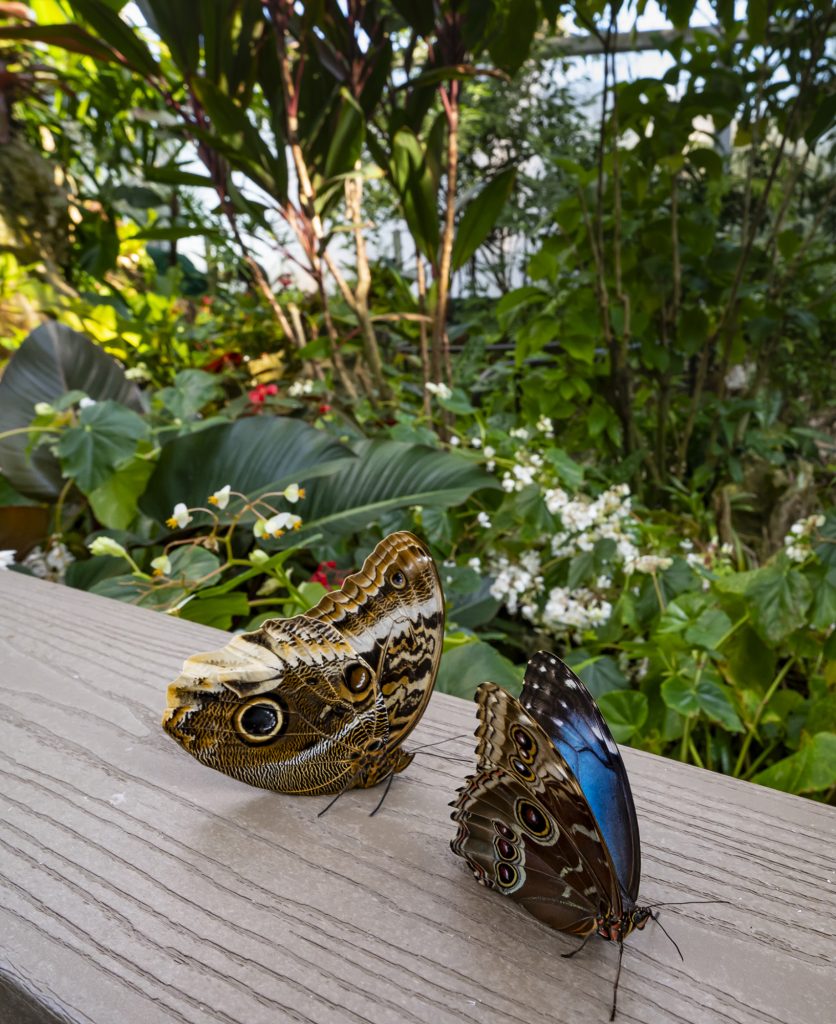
column 138, row 886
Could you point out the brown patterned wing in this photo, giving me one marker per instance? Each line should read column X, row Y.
column 290, row 707
column 392, row 614
column 525, row 828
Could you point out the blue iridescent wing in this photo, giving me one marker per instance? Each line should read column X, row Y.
column 554, row 696
column 525, row 827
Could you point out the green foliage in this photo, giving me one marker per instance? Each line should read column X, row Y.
column 634, row 367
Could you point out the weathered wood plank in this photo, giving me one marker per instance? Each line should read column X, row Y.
column 139, row 886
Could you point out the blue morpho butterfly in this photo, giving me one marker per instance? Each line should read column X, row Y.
column 548, row 819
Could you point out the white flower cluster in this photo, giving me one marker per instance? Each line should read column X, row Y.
column 299, row 388
column 440, row 390
column 545, row 426
column 798, row 541
column 518, row 586
column 51, row 564
column 575, row 609
column 586, row 521
column 525, row 472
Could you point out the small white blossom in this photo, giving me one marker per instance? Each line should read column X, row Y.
column 649, row 564
column 85, row 402
column 161, row 565
column 7, row 558
column 474, row 563
column 299, row 388
column 293, row 492
column 489, row 452
column 508, row 483
column 454, row 441
column 440, row 390
column 44, row 409
column 476, row 442
column 519, row 432
column 107, row 546
column 797, row 552
column 138, row 373
column 220, row 498
column 276, row 525
column 545, row 426
column 179, row 517
column 484, row 520
column 258, row 556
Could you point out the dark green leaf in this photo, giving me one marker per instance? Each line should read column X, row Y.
column 250, row 454
column 107, row 434
column 810, row 770
column 52, row 361
column 625, row 711
column 217, row 611
column 114, row 502
column 689, row 696
column 480, row 215
column 387, row 475
column 464, row 667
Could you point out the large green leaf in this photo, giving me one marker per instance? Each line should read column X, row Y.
column 52, row 361
column 250, row 454
column 625, row 711
column 117, row 34
column 107, row 435
column 778, row 597
column 464, row 667
column 480, row 215
column 811, row 769
column 690, row 695
column 388, row 475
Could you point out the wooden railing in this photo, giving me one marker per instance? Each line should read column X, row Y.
column 138, row 886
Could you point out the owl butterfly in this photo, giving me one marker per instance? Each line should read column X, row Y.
column 321, row 702
column 548, row 819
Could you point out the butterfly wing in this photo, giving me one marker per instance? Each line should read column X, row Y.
column 392, row 614
column 525, row 828
column 556, row 698
column 290, row 707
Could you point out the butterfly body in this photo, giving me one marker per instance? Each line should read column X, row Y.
column 320, row 703
column 527, row 827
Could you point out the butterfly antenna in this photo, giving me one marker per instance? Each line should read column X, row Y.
column 389, row 780
column 437, row 743
column 686, row 903
column 673, row 940
column 334, row 799
column 617, row 978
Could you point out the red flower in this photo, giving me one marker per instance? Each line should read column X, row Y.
column 323, row 571
column 223, row 362
column 261, row 391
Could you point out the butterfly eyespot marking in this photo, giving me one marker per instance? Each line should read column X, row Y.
column 535, row 822
column 526, row 744
column 522, row 769
column 507, row 875
column 260, row 720
column 397, row 579
column 503, row 830
column 506, row 851
column 358, row 678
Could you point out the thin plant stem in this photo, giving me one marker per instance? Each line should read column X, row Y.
column 767, row 697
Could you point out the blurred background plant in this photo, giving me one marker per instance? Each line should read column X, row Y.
column 575, row 331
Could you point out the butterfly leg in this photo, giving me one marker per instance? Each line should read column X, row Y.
column 617, row 976
column 385, row 794
column 568, row 956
